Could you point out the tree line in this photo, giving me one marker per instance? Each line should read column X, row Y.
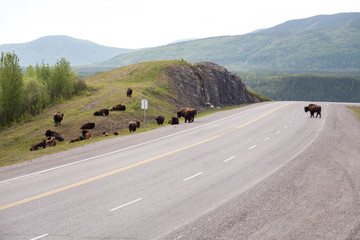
column 42, row 86
column 304, row 87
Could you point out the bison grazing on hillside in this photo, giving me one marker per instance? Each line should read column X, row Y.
column 160, row 120
column 58, row 117
column 173, row 121
column 118, row 107
column 89, row 125
column 102, row 112
column 55, row 134
column 38, row 145
column 86, row 134
column 313, row 108
column 51, row 142
column 188, row 113
column 133, row 124
column 129, row 92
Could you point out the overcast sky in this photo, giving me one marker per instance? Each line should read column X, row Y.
column 149, row 23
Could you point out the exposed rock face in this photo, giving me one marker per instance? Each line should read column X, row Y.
column 207, row 85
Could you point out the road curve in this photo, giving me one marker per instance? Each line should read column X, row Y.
column 265, row 171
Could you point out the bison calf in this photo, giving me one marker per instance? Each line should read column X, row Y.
column 51, row 142
column 86, row 134
column 38, row 145
column 174, row 120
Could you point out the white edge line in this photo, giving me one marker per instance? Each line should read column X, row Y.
column 126, row 204
column 278, row 132
column 124, row 149
column 252, row 147
column 186, row 179
column 40, row 237
column 266, row 138
column 226, row 160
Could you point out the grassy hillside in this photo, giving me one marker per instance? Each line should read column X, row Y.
column 321, row 44
column 148, row 80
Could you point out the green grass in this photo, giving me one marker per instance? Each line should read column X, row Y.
column 356, row 111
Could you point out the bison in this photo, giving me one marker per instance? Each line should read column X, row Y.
column 133, row 124
column 51, row 141
column 58, row 117
column 105, row 134
column 38, row 145
column 86, row 134
column 174, row 120
column 187, row 113
column 313, row 108
column 129, row 92
column 76, row 139
column 116, row 133
column 102, row 112
column 55, row 134
column 160, row 120
column 118, row 107
column 89, row 125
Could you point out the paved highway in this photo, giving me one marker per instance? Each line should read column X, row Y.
column 265, row 171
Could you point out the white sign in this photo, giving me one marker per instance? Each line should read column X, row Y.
column 144, row 104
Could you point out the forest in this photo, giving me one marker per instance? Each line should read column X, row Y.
column 304, row 87
column 25, row 95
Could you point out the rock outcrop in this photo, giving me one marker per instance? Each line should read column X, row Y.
column 208, row 85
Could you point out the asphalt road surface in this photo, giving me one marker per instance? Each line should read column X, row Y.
column 265, row 171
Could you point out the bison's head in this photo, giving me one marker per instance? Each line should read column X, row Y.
column 306, row 109
column 48, row 133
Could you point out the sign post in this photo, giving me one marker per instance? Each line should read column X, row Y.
column 144, row 105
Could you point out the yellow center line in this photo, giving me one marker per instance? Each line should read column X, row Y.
column 135, row 164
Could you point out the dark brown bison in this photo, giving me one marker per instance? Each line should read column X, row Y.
column 129, row 92
column 116, row 133
column 102, row 112
column 118, row 107
column 160, row 120
column 173, row 121
column 55, row 134
column 313, row 108
column 89, row 125
column 58, row 117
column 86, row 134
column 76, row 139
column 51, row 141
column 133, row 124
column 38, row 145
column 187, row 113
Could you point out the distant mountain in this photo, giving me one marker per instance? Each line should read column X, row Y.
column 51, row 48
column 321, row 44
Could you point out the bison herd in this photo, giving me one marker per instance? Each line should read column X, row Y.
column 52, row 136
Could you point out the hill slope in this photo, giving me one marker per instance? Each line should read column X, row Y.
column 51, row 48
column 204, row 84
column 323, row 44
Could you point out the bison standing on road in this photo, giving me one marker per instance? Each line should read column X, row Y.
column 313, row 108
column 55, row 134
column 58, row 117
column 102, row 112
column 133, row 124
column 39, row 145
column 118, row 107
column 160, row 120
column 129, row 92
